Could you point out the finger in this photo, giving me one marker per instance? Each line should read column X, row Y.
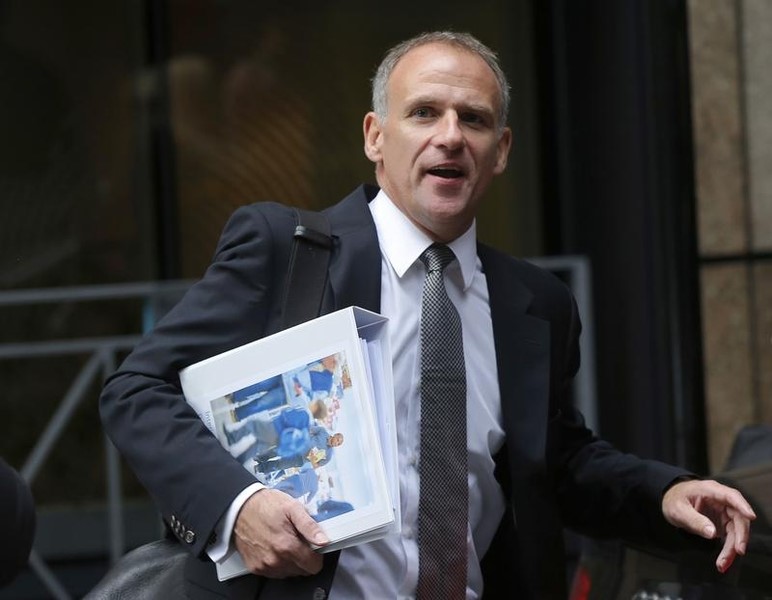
column 736, row 500
column 741, row 528
column 308, row 561
column 301, row 530
column 681, row 506
column 727, row 555
column 298, row 554
column 689, row 519
column 307, row 527
column 267, row 537
column 287, row 555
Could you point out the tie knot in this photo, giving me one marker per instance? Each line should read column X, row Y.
column 436, row 257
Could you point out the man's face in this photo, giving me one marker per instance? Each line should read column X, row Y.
column 440, row 144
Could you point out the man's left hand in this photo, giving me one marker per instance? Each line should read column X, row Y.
column 710, row 509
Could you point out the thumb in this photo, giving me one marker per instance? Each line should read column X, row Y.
column 708, row 529
column 682, row 514
column 698, row 524
column 307, row 527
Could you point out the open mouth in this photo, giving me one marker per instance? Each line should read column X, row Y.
column 446, row 172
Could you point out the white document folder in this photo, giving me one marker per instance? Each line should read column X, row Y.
column 272, row 403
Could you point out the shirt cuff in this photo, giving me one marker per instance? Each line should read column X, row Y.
column 220, row 550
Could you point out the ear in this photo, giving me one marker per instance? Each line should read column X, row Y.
column 502, row 151
column 372, row 132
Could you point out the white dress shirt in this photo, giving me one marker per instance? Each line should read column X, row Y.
column 388, row 568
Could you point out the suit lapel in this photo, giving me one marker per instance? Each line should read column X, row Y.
column 522, row 343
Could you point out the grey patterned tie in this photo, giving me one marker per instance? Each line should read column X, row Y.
column 443, row 500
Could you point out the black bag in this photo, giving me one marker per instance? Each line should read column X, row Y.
column 157, row 570
column 152, row 571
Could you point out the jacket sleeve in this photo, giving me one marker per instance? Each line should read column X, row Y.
column 191, row 478
column 602, row 491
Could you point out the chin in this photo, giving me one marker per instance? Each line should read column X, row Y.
column 451, row 206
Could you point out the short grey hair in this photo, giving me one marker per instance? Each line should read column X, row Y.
column 464, row 41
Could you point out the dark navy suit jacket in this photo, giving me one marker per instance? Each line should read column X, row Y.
column 554, row 472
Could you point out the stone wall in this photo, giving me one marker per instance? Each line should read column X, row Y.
column 731, row 54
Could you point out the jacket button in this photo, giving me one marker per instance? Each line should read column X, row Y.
column 319, row 594
column 190, row 537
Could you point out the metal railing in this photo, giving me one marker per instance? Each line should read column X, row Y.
column 102, row 354
column 102, row 360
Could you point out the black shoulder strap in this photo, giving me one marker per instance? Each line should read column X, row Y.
column 307, row 274
column 303, row 292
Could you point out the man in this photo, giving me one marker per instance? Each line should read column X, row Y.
column 284, row 440
column 304, row 484
column 437, row 136
column 314, row 446
column 257, row 398
column 291, row 423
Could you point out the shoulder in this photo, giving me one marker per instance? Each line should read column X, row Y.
column 263, row 215
column 350, row 213
column 254, row 230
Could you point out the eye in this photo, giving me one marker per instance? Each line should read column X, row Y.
column 422, row 112
column 473, row 118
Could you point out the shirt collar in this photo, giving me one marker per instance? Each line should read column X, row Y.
column 402, row 243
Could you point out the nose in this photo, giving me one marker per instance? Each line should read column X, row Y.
column 449, row 134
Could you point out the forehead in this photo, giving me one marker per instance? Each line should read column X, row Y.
column 443, row 69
